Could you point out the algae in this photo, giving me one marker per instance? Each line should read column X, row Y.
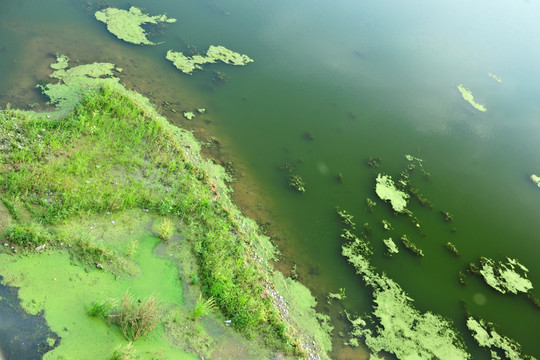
column 486, row 335
column 386, row 190
column 495, row 77
column 509, row 276
column 74, row 82
column 468, row 96
column 189, row 115
column 391, row 247
column 214, row 54
column 535, row 179
column 126, row 25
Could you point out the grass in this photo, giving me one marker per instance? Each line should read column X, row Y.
column 115, row 153
column 137, row 318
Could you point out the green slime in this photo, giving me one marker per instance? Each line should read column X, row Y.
column 214, row 54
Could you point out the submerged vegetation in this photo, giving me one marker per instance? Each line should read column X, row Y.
column 126, row 25
column 187, row 64
column 509, row 276
column 386, row 190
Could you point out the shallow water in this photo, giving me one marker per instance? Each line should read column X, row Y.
column 364, row 79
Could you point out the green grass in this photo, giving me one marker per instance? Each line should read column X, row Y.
column 115, row 153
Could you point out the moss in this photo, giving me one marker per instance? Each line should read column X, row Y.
column 386, row 190
column 535, row 179
column 126, row 25
column 468, row 96
column 486, row 335
column 214, row 54
column 509, row 276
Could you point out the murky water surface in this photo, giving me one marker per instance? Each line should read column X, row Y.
column 333, row 83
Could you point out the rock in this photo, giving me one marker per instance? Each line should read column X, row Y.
column 99, row 266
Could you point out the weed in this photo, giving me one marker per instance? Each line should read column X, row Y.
column 165, row 229
column 27, row 235
column 203, row 307
column 124, row 352
column 137, row 318
column 102, row 308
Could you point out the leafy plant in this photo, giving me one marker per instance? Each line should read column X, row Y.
column 27, row 235
column 165, row 229
column 102, row 308
column 124, row 352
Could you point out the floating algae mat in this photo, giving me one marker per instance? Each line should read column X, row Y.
column 126, row 25
column 395, row 325
column 468, row 97
column 187, row 64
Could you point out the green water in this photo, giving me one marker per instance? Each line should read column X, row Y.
column 364, row 79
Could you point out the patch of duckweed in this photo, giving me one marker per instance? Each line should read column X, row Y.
column 74, row 82
column 187, row 64
column 386, row 190
column 126, row 25
column 486, row 335
column 509, row 276
column 468, row 97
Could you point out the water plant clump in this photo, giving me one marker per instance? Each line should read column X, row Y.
column 486, row 335
column 386, row 225
column 74, row 82
column 386, row 190
column 509, row 276
column 495, row 77
column 373, row 162
column 535, row 179
column 452, row 248
column 447, row 216
column 346, row 218
column 187, row 64
column 370, row 204
column 189, row 115
column 127, row 25
column 391, row 247
column 297, row 183
column 409, row 245
column 468, row 96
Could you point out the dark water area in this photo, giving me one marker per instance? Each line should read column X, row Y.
column 334, row 83
column 22, row 336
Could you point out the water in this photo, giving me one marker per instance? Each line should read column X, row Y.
column 364, row 79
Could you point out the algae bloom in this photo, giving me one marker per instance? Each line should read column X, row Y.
column 504, row 277
column 468, row 96
column 495, row 77
column 386, row 190
column 214, row 54
column 126, row 25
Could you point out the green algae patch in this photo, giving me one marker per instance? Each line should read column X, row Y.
column 495, row 77
column 189, row 115
column 535, row 179
column 487, row 336
column 52, row 282
column 187, row 64
column 468, row 97
column 126, row 25
column 386, row 190
column 74, row 82
column 509, row 276
column 391, row 247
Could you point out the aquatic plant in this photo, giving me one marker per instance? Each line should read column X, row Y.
column 124, row 352
column 346, row 218
column 28, row 235
column 509, row 276
column 337, row 296
column 495, row 77
column 409, row 245
column 296, row 182
column 452, row 248
column 373, row 161
column 189, row 115
column 74, row 82
column 126, row 25
column 137, row 318
column 486, row 335
column 386, row 224
column 386, row 190
column 391, row 247
column 370, row 204
column 535, row 179
column 447, row 216
column 339, row 178
column 468, row 96
column 214, row 54
column 101, row 308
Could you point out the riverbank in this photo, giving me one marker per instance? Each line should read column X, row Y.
column 115, row 155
